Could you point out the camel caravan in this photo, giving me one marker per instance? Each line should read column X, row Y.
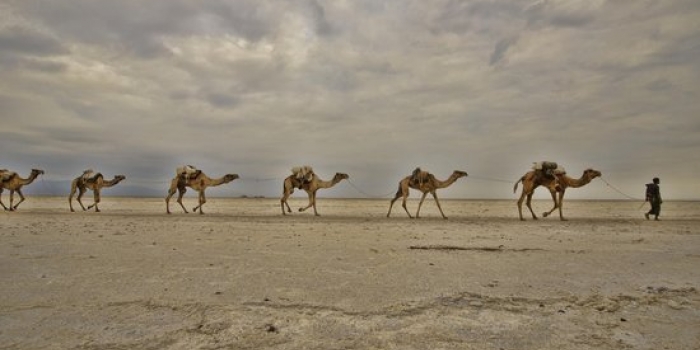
column 546, row 174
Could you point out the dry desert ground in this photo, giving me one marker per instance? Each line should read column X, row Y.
column 243, row 276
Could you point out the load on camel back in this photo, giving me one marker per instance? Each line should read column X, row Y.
column 549, row 169
column 187, row 172
column 419, row 176
column 6, row 175
column 303, row 174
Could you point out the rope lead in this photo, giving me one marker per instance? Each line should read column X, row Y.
column 618, row 191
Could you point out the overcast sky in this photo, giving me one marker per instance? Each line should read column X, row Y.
column 370, row 88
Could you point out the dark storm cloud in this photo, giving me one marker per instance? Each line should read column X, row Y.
column 140, row 27
column 318, row 16
column 464, row 16
column 221, row 100
column 44, row 66
column 544, row 13
column 18, row 40
column 499, row 52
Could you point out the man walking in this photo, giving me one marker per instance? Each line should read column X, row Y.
column 654, row 197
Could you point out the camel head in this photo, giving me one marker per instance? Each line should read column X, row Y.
column 37, row 172
column 230, row 177
column 459, row 173
column 340, row 176
column 119, row 178
column 591, row 173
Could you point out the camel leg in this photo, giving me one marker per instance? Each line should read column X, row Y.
column 438, row 204
column 21, row 199
column 403, row 204
column 181, row 192
column 314, row 205
column 283, row 203
column 96, row 195
column 286, row 192
column 528, row 202
column 420, row 204
column 171, row 192
column 1, row 203
column 561, row 206
column 12, row 198
column 311, row 202
column 520, row 206
column 70, row 198
column 202, row 200
column 81, row 192
column 556, row 204
column 391, row 204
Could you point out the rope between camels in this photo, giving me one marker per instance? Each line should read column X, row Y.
column 367, row 194
column 488, row 179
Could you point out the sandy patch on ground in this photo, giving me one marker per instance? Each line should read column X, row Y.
column 245, row 277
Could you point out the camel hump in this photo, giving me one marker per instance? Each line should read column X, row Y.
column 6, row 175
column 420, row 176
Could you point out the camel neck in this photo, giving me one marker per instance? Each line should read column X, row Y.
column 111, row 183
column 446, row 183
column 216, row 182
column 575, row 183
column 29, row 179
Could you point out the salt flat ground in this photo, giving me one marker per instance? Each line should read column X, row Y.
column 245, row 277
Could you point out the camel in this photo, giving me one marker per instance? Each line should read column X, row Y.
column 425, row 182
column 311, row 186
column 199, row 182
column 95, row 183
column 556, row 185
column 14, row 183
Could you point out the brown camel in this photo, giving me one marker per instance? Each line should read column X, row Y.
column 14, row 183
column 424, row 182
column 535, row 178
column 94, row 183
column 198, row 182
column 310, row 186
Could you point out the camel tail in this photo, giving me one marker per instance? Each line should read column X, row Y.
column 515, row 187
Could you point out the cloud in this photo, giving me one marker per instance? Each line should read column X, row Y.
column 369, row 88
column 500, row 50
column 24, row 41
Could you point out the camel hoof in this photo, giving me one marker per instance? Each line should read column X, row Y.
column 545, row 214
